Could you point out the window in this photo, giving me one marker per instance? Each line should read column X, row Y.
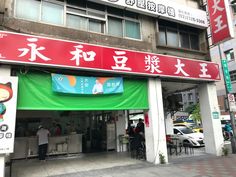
column 96, row 26
column 28, row 9
column 190, row 96
column 229, row 55
column 84, row 15
column 123, row 23
column 190, row 103
column 77, row 22
column 132, row 29
column 115, row 27
column 184, row 40
column 162, row 36
column 172, row 37
column 232, row 75
column 176, row 35
column 52, row 13
column 176, row 131
column 81, row 15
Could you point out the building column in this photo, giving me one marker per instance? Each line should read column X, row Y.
column 4, row 71
column 155, row 132
column 210, row 114
column 121, row 118
column 2, row 165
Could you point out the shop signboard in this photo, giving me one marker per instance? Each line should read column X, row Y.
column 220, row 20
column 162, row 9
column 8, row 100
column 34, row 50
column 228, row 84
column 86, row 85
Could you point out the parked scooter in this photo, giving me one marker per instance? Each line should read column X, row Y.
column 227, row 135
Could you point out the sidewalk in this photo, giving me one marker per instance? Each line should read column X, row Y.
column 121, row 165
column 205, row 166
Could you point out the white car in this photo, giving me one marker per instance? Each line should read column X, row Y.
column 187, row 135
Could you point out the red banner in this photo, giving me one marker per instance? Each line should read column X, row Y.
column 220, row 25
column 35, row 50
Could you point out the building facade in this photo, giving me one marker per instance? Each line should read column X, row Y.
column 157, row 48
column 227, row 50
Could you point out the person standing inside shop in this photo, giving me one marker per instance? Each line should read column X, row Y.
column 42, row 135
column 140, row 126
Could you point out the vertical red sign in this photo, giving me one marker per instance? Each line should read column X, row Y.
column 219, row 15
column 146, row 119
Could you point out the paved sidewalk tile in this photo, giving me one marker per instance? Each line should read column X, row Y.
column 118, row 166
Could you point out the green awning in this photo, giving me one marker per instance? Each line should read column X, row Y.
column 35, row 93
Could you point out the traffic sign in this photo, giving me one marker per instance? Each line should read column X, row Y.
column 232, row 105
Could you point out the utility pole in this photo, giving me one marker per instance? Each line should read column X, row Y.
column 228, row 90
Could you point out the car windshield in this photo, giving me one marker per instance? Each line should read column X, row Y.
column 194, row 126
column 186, row 130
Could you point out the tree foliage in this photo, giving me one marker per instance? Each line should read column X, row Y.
column 190, row 109
column 196, row 114
column 194, row 110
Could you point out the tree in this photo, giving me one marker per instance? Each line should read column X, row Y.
column 191, row 108
column 196, row 116
column 194, row 111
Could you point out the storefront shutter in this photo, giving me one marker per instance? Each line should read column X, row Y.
column 35, row 93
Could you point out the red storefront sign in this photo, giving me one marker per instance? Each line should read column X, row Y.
column 35, row 50
column 221, row 26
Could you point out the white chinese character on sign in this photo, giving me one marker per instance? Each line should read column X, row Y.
column 34, row 51
column 152, row 64
column 130, row 2
column 141, row 4
column 204, row 70
column 179, row 67
column 120, row 61
column 216, row 6
column 79, row 53
column 219, row 25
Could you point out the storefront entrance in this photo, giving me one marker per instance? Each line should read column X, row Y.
column 72, row 132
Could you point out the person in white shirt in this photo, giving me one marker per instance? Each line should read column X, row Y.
column 42, row 135
column 97, row 88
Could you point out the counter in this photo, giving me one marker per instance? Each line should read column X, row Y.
column 26, row 147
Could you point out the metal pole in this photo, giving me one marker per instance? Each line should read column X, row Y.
column 232, row 116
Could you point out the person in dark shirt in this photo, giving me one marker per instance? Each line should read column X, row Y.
column 130, row 129
column 140, row 126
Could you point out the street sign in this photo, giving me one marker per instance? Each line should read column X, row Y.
column 232, row 105
column 228, row 84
